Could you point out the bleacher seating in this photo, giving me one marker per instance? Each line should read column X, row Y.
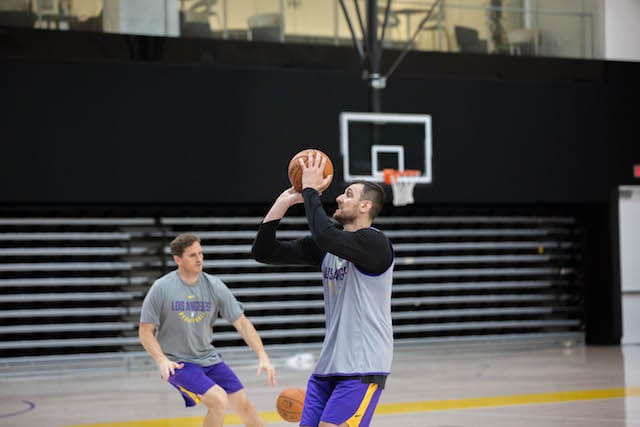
column 75, row 285
column 69, row 283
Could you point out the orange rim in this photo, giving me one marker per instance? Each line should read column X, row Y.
column 390, row 176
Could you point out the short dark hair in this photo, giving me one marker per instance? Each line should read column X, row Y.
column 375, row 193
column 183, row 241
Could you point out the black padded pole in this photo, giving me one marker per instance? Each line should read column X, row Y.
column 373, row 73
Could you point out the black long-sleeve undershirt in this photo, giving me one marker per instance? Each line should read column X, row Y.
column 367, row 248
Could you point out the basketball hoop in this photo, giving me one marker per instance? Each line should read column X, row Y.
column 402, row 184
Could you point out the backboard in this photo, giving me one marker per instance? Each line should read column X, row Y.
column 371, row 142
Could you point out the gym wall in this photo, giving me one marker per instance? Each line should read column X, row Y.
column 78, row 131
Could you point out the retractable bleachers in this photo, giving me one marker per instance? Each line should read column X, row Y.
column 477, row 276
column 74, row 286
column 457, row 277
column 70, row 285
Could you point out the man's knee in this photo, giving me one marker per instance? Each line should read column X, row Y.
column 215, row 399
column 240, row 403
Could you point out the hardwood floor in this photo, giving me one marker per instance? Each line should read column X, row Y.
column 491, row 384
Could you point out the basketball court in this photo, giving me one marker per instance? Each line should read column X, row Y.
column 470, row 380
column 506, row 383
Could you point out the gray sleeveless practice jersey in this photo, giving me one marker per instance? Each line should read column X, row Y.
column 359, row 335
column 185, row 315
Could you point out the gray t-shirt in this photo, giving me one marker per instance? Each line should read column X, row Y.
column 184, row 315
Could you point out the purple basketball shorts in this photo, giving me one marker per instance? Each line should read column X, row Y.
column 193, row 380
column 339, row 399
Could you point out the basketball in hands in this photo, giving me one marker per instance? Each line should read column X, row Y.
column 295, row 171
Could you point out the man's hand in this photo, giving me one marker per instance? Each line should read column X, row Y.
column 285, row 200
column 168, row 368
column 290, row 197
column 313, row 174
column 265, row 364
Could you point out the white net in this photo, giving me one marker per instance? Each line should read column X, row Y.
column 402, row 192
column 402, row 184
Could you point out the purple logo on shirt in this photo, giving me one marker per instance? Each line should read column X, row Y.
column 191, row 311
column 330, row 273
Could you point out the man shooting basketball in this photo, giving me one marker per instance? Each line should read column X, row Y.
column 357, row 266
column 184, row 304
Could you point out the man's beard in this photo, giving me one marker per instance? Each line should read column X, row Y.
column 342, row 218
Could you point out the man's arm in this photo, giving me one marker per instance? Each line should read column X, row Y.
column 251, row 337
column 267, row 249
column 146, row 333
column 368, row 249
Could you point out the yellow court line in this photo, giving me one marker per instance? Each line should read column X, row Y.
column 407, row 407
column 520, row 399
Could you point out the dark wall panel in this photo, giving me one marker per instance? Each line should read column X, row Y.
column 152, row 133
column 515, row 141
column 81, row 132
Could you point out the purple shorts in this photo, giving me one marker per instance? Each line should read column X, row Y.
column 339, row 399
column 193, row 380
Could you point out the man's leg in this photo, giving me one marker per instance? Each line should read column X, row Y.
column 240, row 404
column 216, row 400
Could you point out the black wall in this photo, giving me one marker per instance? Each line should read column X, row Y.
column 123, row 131
column 118, row 120
column 149, row 133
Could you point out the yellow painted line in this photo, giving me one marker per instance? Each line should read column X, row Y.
column 408, row 407
column 268, row 417
column 521, row 399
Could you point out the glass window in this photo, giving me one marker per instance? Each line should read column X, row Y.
column 517, row 27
